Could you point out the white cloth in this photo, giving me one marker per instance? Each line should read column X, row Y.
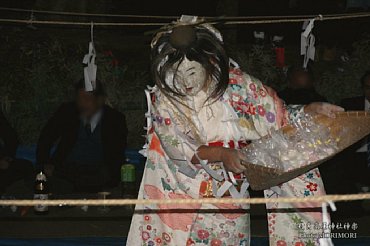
column 94, row 121
column 364, row 146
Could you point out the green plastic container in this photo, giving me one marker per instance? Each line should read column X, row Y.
column 128, row 173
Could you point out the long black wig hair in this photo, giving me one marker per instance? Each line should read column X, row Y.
column 196, row 43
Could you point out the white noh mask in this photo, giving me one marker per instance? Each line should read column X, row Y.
column 190, row 77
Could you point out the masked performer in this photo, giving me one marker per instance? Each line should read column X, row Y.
column 201, row 112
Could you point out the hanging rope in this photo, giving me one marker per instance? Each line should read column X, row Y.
column 68, row 23
column 87, row 14
column 123, row 202
column 47, row 12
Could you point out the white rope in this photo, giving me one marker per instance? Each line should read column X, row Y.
column 86, row 14
column 122, row 202
column 241, row 22
column 52, row 22
column 166, row 16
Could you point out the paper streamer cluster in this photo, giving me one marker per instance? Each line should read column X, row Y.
column 308, row 42
column 90, row 68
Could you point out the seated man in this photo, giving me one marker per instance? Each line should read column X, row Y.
column 300, row 88
column 11, row 169
column 358, row 155
column 90, row 140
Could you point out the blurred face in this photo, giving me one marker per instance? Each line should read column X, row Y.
column 88, row 104
column 366, row 88
column 190, row 77
column 301, row 80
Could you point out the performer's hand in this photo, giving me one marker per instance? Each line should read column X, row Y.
column 231, row 158
column 322, row 108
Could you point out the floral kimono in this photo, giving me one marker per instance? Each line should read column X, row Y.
column 247, row 111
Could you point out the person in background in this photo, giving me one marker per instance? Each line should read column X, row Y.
column 300, row 88
column 11, row 169
column 90, row 139
column 359, row 154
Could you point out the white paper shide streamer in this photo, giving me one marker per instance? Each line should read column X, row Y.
column 308, row 42
column 326, row 240
column 90, row 68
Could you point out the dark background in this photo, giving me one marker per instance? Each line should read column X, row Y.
column 39, row 63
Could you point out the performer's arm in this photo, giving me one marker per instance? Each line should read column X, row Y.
column 231, row 158
column 327, row 109
column 322, row 108
column 293, row 112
